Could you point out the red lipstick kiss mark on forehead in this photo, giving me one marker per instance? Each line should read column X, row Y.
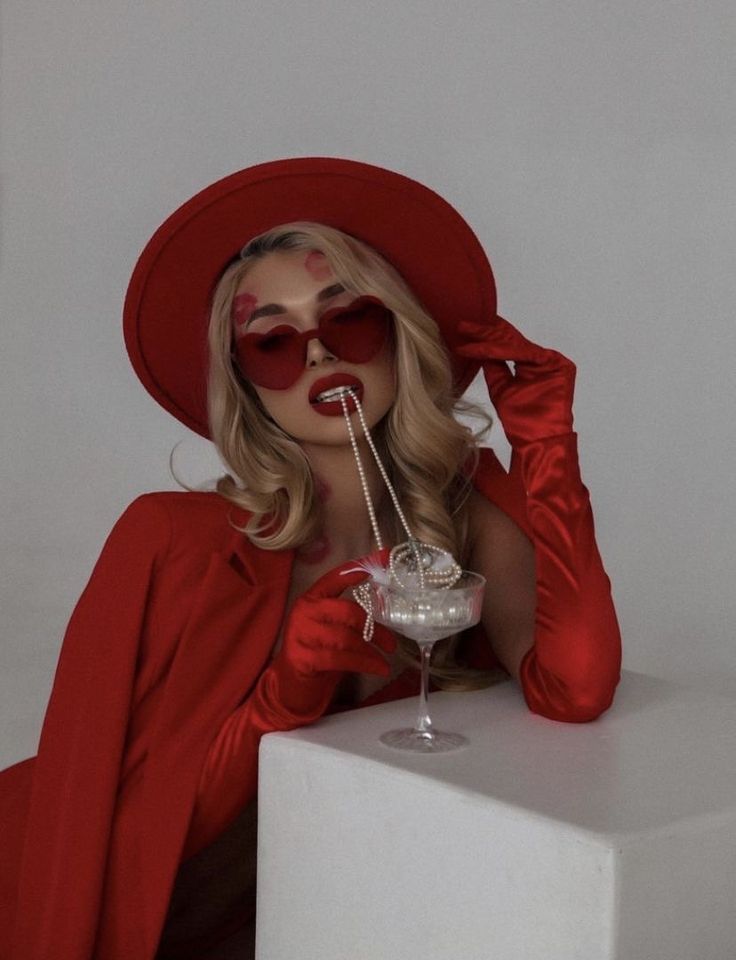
column 317, row 265
column 243, row 306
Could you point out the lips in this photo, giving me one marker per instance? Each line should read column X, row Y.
column 330, row 383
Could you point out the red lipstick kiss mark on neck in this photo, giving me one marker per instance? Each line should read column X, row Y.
column 317, row 266
column 321, row 488
column 243, row 306
column 316, row 551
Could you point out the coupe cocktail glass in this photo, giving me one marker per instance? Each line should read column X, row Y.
column 427, row 614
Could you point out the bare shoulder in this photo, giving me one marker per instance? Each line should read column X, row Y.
column 501, row 551
column 487, row 518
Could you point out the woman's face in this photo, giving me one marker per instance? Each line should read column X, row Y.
column 295, row 288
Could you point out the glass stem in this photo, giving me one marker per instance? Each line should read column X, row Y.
column 424, row 724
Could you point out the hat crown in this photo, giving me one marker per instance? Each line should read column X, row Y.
column 167, row 304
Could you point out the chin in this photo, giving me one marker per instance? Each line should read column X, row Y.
column 336, row 433
column 333, row 431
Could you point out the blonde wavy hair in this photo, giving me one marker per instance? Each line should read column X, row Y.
column 423, row 447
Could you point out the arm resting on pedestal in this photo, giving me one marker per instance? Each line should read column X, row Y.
column 560, row 639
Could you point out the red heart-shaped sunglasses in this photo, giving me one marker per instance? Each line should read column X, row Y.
column 277, row 358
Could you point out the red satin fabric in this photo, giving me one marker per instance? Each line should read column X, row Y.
column 535, row 402
column 174, row 626
column 166, row 644
column 168, row 638
column 574, row 666
column 323, row 638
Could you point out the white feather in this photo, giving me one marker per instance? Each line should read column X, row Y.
column 374, row 570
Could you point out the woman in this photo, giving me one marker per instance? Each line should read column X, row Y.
column 213, row 618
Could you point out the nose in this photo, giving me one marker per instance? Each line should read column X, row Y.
column 317, row 353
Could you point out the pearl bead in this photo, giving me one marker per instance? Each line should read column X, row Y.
column 414, row 552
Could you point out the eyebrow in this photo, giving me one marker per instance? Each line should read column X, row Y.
column 273, row 308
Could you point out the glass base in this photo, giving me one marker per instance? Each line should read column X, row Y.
column 435, row 742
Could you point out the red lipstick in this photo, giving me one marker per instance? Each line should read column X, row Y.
column 333, row 408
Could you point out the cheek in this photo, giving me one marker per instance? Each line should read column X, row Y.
column 271, row 401
column 381, row 374
column 287, row 407
column 386, row 363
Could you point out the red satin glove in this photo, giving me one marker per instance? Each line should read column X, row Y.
column 323, row 638
column 536, row 402
column 572, row 670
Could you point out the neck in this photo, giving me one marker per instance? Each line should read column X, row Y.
column 346, row 522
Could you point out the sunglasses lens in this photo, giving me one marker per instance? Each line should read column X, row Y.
column 276, row 359
column 273, row 360
column 356, row 333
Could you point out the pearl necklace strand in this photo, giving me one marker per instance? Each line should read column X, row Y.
column 361, row 468
column 414, row 556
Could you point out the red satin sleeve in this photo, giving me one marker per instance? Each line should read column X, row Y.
column 570, row 673
column 229, row 775
column 573, row 668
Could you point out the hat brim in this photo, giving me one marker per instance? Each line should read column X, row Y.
column 167, row 304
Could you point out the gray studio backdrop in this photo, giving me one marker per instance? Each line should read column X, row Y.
column 589, row 144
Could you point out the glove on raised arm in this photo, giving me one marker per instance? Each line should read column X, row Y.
column 572, row 670
column 536, row 402
column 323, row 638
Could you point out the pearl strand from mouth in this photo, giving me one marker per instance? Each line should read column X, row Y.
column 428, row 577
column 445, row 578
column 376, row 457
column 364, row 483
column 359, row 463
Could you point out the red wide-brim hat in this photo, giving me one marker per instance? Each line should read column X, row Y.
column 168, row 301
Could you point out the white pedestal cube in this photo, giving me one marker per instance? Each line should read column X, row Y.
column 610, row 840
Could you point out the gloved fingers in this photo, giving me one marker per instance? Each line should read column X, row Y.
column 362, row 661
column 384, row 639
column 499, row 340
column 329, row 612
column 509, row 343
column 321, row 648
column 329, row 636
column 498, row 376
column 340, row 634
column 527, row 352
column 513, row 342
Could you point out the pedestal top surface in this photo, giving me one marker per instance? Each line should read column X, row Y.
column 662, row 754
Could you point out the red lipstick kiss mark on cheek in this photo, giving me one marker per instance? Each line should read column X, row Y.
column 317, row 266
column 243, row 306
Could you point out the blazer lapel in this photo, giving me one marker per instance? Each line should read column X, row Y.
column 233, row 625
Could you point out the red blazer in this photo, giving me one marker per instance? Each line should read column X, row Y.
column 173, row 629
